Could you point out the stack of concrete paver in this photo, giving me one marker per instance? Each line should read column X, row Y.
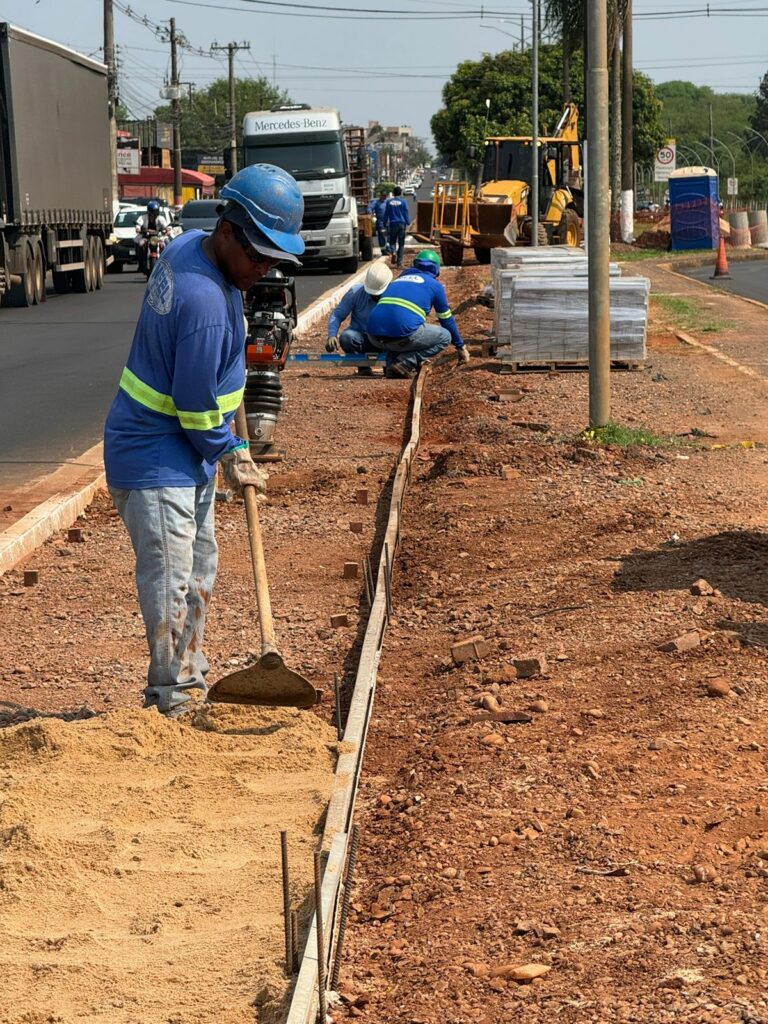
column 541, row 308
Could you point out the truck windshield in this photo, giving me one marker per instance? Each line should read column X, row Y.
column 302, row 156
column 507, row 161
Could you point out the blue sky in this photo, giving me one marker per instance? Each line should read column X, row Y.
column 390, row 69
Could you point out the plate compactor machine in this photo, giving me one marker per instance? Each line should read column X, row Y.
column 270, row 309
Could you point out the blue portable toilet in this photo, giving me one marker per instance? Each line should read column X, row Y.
column 694, row 207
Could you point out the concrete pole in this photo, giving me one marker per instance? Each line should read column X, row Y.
column 109, row 60
column 533, row 208
column 627, row 142
column 231, row 51
column 176, row 118
column 598, row 222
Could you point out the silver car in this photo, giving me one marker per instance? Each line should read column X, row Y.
column 200, row 214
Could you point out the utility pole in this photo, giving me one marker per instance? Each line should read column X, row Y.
column 522, row 33
column 598, row 221
column 711, row 136
column 109, row 60
column 627, row 151
column 534, row 197
column 178, row 196
column 232, row 49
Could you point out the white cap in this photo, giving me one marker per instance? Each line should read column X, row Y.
column 377, row 279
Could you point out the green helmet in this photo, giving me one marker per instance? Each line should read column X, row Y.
column 428, row 256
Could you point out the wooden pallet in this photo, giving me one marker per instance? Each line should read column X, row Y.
column 561, row 367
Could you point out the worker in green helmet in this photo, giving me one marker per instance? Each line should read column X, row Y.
column 398, row 323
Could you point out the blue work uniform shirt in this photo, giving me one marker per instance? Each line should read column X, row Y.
column 183, row 381
column 356, row 304
column 406, row 303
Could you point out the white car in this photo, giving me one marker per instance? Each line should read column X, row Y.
column 409, row 190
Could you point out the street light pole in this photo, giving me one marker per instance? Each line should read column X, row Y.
column 533, row 207
column 109, row 60
column 743, row 142
column 598, row 222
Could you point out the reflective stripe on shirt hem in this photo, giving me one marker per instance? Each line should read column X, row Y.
column 393, row 301
column 164, row 404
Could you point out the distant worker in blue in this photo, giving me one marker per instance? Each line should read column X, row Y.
column 397, row 218
column 357, row 305
column 398, row 323
column 376, row 208
column 169, row 425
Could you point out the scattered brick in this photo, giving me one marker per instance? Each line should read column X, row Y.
column 351, row 570
column 31, row 577
column 75, row 535
column 337, row 621
column 472, row 649
column 684, row 642
column 356, row 527
column 527, row 668
column 361, row 496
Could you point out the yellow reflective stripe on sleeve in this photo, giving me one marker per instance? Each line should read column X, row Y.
column 230, row 402
column 445, row 316
column 145, row 395
column 158, row 402
column 393, row 301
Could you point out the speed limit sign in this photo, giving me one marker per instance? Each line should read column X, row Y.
column 666, row 160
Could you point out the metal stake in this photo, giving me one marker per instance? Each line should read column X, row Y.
column 353, row 844
column 295, row 938
column 320, row 941
column 337, row 691
column 387, row 578
column 287, row 922
column 369, row 579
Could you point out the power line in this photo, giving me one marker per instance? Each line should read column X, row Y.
column 349, row 13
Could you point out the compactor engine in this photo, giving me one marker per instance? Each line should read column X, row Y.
column 270, row 309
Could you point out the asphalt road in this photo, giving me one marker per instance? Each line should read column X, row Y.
column 59, row 367
column 748, row 278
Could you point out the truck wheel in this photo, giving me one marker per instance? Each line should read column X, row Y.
column 366, row 249
column 349, row 265
column 39, row 274
column 483, row 255
column 451, row 253
column 98, row 262
column 90, row 277
column 20, row 296
column 61, row 282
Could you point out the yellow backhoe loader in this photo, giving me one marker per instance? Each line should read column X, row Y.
column 496, row 213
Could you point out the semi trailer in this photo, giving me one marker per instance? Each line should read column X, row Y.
column 55, row 173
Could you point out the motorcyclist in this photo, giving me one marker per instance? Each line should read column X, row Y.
column 151, row 221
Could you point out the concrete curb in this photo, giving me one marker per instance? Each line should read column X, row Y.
column 323, row 305
column 60, row 511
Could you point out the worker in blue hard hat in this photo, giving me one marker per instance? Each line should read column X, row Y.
column 169, row 425
column 398, row 323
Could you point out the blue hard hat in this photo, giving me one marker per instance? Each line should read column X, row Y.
column 272, row 200
column 153, row 205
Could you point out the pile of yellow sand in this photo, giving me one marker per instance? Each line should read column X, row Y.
column 140, row 863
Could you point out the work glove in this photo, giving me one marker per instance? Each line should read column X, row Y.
column 462, row 355
column 332, row 345
column 239, row 470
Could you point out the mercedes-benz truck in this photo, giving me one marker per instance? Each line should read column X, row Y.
column 308, row 142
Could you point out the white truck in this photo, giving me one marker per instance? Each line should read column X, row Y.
column 308, row 142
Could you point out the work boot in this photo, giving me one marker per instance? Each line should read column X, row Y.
column 399, row 371
column 365, row 371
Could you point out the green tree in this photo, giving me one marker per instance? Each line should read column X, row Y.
column 205, row 116
column 758, row 120
column 506, row 79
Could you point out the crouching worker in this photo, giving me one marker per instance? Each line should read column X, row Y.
column 398, row 323
column 357, row 305
column 169, row 425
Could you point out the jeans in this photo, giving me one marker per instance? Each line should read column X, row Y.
column 414, row 349
column 381, row 233
column 397, row 241
column 171, row 530
column 355, row 343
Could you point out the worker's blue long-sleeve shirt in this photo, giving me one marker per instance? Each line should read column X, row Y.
column 406, row 303
column 183, row 380
column 396, row 211
column 356, row 304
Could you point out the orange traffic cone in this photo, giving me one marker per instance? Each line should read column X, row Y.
column 721, row 263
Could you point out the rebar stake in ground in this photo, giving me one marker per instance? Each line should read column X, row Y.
column 320, row 942
column 287, row 916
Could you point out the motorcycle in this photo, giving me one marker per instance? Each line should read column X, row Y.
column 155, row 243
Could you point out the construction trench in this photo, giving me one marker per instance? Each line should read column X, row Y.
column 577, row 836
